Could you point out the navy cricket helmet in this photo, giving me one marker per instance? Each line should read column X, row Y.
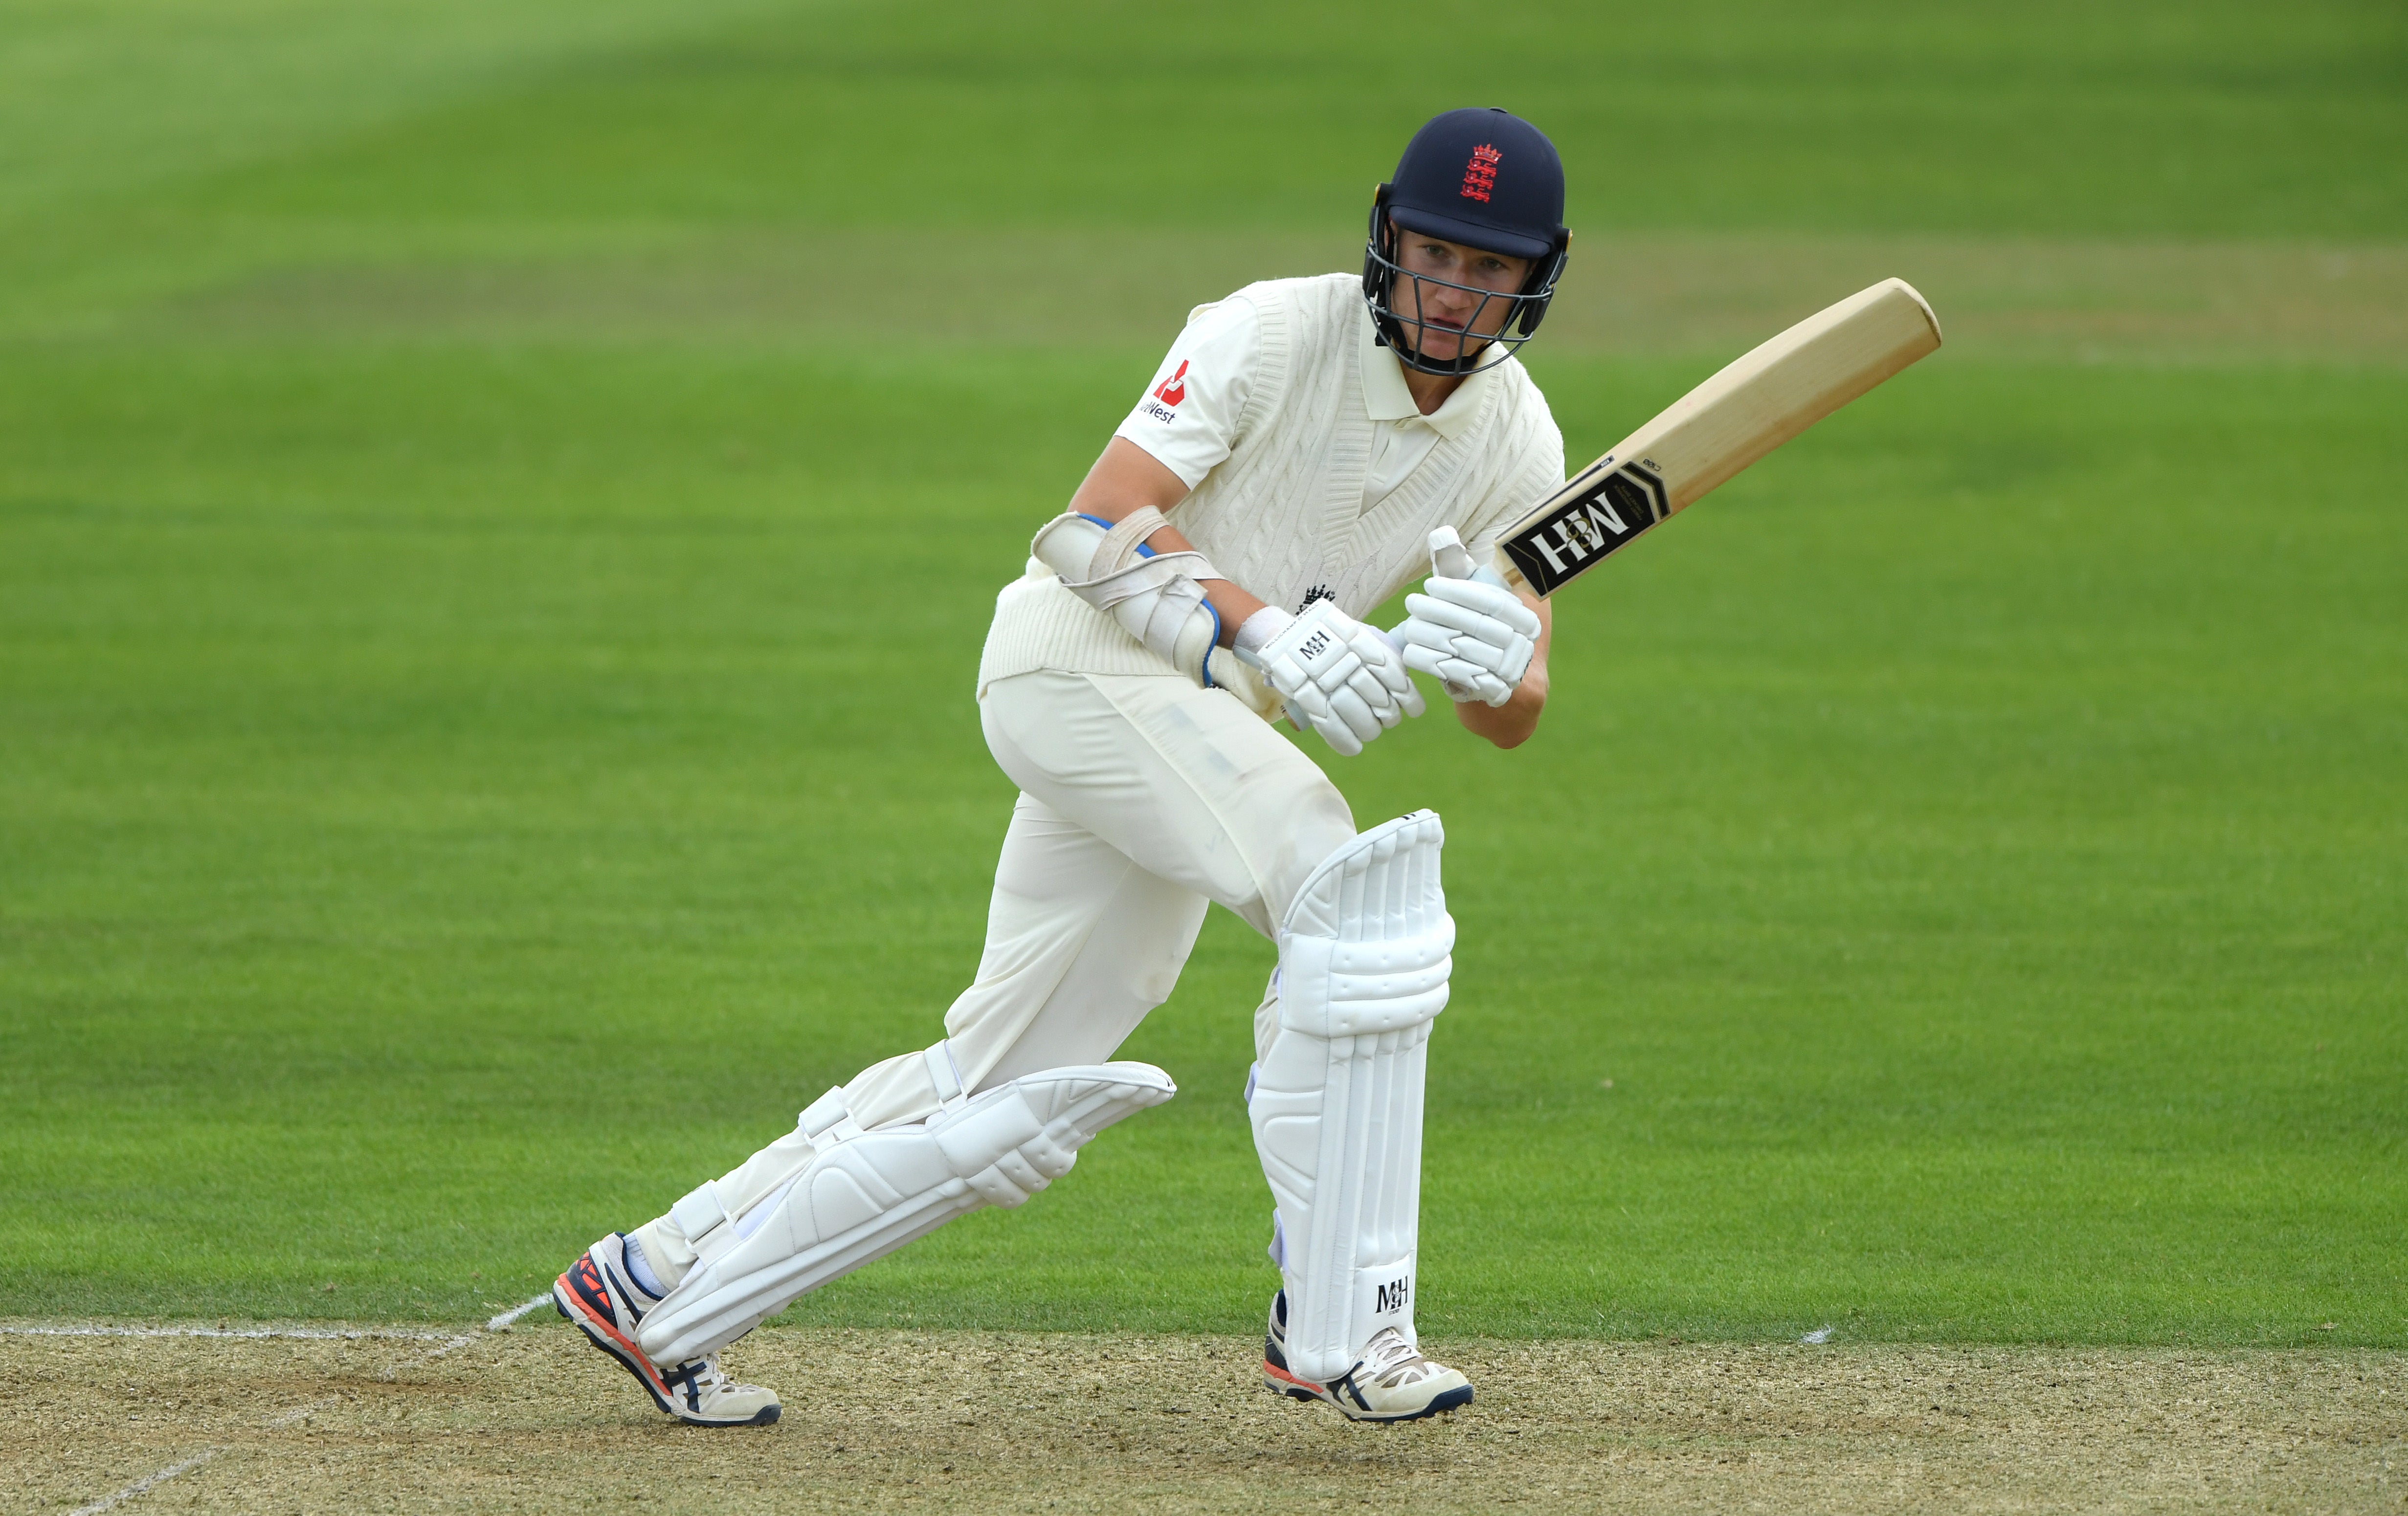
column 1489, row 180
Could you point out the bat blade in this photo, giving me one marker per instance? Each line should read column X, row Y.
column 1754, row 405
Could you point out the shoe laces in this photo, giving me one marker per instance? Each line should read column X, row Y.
column 1389, row 1360
column 704, row 1373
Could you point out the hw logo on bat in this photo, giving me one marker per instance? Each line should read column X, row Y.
column 1608, row 506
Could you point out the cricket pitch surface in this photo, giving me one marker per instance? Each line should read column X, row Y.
column 529, row 1419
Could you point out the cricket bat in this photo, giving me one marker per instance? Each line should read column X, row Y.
column 1752, row 406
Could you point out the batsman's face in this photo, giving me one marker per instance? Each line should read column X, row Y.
column 1444, row 292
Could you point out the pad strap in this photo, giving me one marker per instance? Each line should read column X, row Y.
column 710, row 1228
column 703, row 1217
column 827, row 1121
column 945, row 1077
column 862, row 1200
column 1156, row 598
column 1120, row 547
column 1125, row 540
column 1125, row 544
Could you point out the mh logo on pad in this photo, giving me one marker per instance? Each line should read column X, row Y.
column 1609, row 505
column 1393, row 1297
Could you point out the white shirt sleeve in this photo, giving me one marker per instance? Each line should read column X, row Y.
column 1187, row 418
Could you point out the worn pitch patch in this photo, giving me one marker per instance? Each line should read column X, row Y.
column 530, row 1418
column 1625, row 292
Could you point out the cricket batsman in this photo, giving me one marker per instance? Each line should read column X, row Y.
column 1284, row 473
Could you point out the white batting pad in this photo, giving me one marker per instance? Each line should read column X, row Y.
column 862, row 1198
column 1336, row 1101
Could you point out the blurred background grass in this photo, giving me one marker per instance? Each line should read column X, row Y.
column 498, row 505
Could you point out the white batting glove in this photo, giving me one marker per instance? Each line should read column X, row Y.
column 1337, row 675
column 1474, row 637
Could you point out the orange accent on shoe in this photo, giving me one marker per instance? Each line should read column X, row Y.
column 610, row 1330
column 1278, row 1373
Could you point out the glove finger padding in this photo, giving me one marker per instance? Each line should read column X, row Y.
column 1469, row 635
column 1358, row 715
column 1379, row 655
column 1437, row 619
column 1377, row 697
column 1335, row 733
column 1341, row 716
column 1349, row 683
column 1311, row 709
column 1480, row 655
column 1385, row 661
column 1477, row 684
column 1494, row 601
column 1460, row 621
column 1311, row 699
column 1452, row 673
column 1464, row 681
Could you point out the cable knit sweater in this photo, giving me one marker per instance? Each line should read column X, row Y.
column 1282, row 515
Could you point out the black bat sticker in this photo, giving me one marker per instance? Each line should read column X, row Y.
column 1604, row 509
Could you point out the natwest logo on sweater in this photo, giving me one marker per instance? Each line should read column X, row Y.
column 1164, row 405
column 1174, row 389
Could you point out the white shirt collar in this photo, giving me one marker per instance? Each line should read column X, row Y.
column 1386, row 398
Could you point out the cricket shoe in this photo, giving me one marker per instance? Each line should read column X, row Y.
column 1391, row 1383
column 604, row 1301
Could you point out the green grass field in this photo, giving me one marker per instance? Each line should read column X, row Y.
column 498, row 506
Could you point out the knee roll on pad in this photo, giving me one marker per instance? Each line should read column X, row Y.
column 1336, row 1099
column 866, row 1195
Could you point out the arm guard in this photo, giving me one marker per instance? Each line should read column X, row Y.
column 1155, row 596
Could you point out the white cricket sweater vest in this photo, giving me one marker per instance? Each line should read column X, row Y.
column 1282, row 515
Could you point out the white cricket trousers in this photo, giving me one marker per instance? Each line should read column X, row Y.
column 1143, row 799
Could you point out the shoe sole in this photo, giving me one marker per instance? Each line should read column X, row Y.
column 613, row 1344
column 1279, row 1379
column 606, row 1336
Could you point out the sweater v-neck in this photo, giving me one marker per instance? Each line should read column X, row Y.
column 1386, row 396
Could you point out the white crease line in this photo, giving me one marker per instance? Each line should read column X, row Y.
column 147, row 1483
column 311, row 1333
column 451, row 1342
column 507, row 1316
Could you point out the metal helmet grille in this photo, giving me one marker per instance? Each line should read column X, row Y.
column 1395, row 297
